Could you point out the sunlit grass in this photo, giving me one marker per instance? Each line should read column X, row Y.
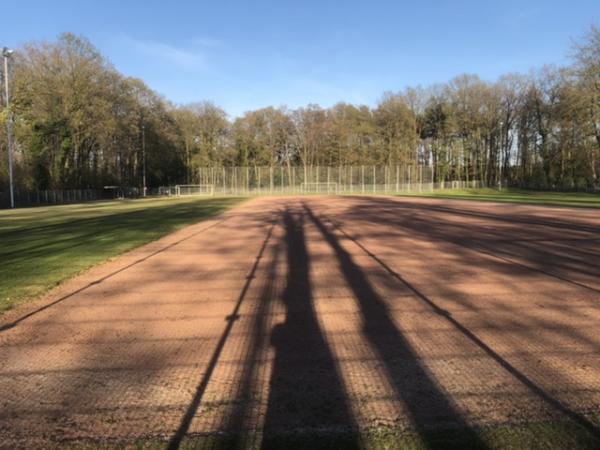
column 40, row 247
column 571, row 199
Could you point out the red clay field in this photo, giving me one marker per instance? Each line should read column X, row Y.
column 340, row 322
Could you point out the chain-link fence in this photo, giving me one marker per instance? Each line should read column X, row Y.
column 263, row 180
column 24, row 198
column 323, row 180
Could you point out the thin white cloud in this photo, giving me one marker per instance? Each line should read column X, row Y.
column 207, row 42
column 180, row 57
column 521, row 16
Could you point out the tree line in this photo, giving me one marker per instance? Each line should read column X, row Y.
column 78, row 123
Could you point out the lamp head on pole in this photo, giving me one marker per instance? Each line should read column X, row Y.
column 6, row 52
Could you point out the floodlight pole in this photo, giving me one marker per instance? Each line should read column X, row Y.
column 6, row 53
column 144, row 159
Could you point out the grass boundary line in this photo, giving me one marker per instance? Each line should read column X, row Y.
column 48, row 299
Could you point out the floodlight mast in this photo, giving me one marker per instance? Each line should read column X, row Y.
column 144, row 159
column 7, row 53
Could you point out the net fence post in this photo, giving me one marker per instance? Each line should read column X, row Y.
column 431, row 178
column 318, row 170
column 304, row 180
column 247, row 184
column 362, row 176
column 385, row 178
column 374, row 179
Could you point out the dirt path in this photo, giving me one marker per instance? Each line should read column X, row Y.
column 321, row 315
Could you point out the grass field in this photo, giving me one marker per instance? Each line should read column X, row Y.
column 43, row 246
column 570, row 199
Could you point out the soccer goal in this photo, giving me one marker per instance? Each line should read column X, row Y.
column 195, row 189
column 319, row 188
column 167, row 190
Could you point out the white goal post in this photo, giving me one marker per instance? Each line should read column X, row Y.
column 319, row 188
column 167, row 190
column 194, row 189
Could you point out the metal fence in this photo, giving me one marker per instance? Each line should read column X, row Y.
column 323, row 180
column 265, row 180
column 25, row 198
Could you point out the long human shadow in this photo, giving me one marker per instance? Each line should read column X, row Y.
column 307, row 399
column 192, row 408
column 245, row 399
column 427, row 404
column 551, row 401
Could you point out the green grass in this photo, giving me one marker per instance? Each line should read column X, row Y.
column 530, row 436
column 40, row 247
column 569, row 199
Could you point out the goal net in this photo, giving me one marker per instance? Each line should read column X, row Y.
column 167, row 190
column 194, row 189
column 319, row 188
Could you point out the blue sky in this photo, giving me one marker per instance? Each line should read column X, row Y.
column 248, row 54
